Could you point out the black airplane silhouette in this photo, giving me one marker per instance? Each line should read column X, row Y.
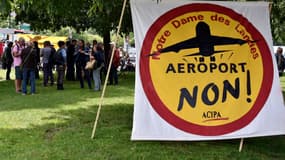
column 204, row 41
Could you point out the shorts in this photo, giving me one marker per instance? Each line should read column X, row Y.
column 18, row 73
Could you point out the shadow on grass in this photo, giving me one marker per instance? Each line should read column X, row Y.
column 70, row 139
column 49, row 97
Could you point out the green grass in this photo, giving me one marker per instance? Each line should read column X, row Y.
column 57, row 125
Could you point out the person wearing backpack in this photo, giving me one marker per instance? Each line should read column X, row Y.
column 60, row 62
column 7, row 59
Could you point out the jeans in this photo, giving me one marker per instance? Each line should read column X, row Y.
column 47, row 68
column 9, row 65
column 97, row 79
column 29, row 73
column 80, row 67
column 70, row 71
column 60, row 74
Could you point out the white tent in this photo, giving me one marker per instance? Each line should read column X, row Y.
column 7, row 31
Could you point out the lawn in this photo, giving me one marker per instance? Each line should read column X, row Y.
column 57, row 125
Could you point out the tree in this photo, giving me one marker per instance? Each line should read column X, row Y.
column 81, row 15
column 53, row 15
column 106, row 16
column 5, row 7
column 278, row 22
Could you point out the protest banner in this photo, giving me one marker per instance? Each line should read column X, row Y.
column 206, row 71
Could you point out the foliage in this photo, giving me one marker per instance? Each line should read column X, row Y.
column 102, row 15
column 122, row 39
column 4, row 22
column 278, row 21
column 5, row 7
column 52, row 14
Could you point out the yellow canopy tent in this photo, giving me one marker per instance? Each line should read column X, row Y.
column 40, row 39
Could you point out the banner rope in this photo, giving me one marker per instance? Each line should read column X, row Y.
column 108, row 71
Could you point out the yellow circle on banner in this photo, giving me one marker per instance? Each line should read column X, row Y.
column 175, row 71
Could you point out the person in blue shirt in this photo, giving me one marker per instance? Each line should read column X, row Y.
column 60, row 62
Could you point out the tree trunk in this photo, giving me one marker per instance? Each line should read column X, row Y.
column 107, row 40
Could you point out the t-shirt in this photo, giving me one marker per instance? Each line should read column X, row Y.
column 18, row 59
column 30, row 54
column 116, row 58
column 46, row 53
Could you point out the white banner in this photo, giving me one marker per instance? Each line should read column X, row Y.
column 205, row 71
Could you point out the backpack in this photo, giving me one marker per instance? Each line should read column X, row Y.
column 51, row 59
column 58, row 58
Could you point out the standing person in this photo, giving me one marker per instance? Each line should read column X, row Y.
column 115, row 65
column 16, row 51
column 52, row 63
column 38, row 50
column 1, row 48
column 88, row 47
column 36, row 47
column 280, row 60
column 60, row 62
column 82, row 57
column 46, row 53
column 28, row 65
column 99, row 57
column 70, row 72
column 94, row 45
column 7, row 59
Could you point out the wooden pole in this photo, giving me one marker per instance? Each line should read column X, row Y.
column 108, row 71
column 240, row 145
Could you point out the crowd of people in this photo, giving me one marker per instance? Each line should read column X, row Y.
column 69, row 61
